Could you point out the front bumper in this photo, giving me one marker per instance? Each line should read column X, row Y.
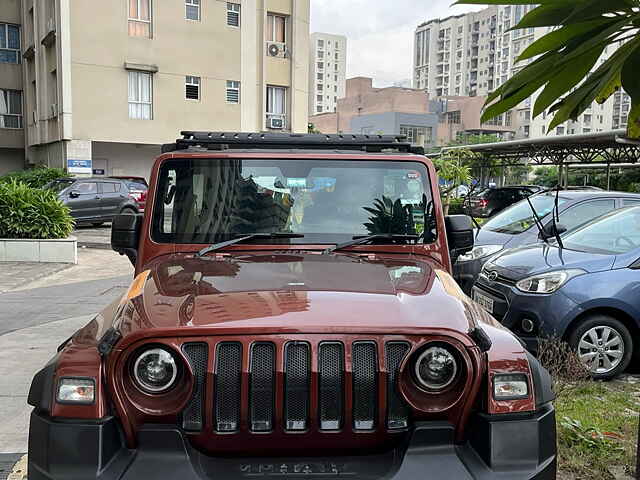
column 499, row 447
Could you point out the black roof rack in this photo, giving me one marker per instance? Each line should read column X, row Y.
column 227, row 140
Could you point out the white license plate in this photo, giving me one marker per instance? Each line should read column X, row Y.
column 484, row 301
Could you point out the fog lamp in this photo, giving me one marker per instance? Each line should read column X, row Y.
column 76, row 390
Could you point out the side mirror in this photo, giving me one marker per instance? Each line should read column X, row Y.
column 459, row 234
column 549, row 230
column 125, row 235
column 74, row 194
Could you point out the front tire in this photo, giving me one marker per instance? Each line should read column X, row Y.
column 603, row 344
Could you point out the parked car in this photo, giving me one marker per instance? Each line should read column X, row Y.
column 585, row 291
column 516, row 226
column 95, row 200
column 137, row 190
column 277, row 328
column 490, row 201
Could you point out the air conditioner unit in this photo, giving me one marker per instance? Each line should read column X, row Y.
column 275, row 49
column 54, row 109
column 276, row 123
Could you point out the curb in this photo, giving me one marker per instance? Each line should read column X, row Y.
column 19, row 471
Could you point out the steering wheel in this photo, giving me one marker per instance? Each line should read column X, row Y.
column 626, row 240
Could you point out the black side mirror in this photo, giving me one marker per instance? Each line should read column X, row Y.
column 74, row 194
column 549, row 232
column 459, row 234
column 125, row 235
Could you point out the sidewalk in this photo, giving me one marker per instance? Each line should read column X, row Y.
column 16, row 274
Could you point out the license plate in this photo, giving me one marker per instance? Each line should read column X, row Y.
column 484, row 301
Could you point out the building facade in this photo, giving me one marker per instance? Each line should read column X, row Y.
column 475, row 53
column 101, row 97
column 327, row 72
column 11, row 87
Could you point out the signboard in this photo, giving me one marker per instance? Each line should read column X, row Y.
column 79, row 166
column 98, row 171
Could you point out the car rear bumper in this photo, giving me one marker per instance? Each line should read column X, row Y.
column 499, row 447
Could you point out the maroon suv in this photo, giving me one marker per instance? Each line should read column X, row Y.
column 292, row 316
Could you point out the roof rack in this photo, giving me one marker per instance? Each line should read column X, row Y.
column 227, row 140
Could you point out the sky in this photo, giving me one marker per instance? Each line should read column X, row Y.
column 379, row 32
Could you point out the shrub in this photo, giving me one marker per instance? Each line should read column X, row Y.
column 564, row 365
column 36, row 177
column 27, row 212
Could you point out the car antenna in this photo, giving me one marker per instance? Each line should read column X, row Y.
column 556, row 218
column 537, row 221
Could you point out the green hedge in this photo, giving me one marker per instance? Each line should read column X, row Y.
column 36, row 177
column 455, row 207
column 27, row 212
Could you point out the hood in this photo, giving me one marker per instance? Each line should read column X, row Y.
column 296, row 293
column 519, row 263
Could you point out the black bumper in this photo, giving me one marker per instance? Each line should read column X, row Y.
column 506, row 447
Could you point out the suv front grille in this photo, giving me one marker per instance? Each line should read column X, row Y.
column 319, row 382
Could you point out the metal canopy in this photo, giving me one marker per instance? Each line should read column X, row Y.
column 609, row 147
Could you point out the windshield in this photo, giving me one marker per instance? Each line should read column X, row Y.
column 59, row 185
column 202, row 201
column 519, row 218
column 613, row 234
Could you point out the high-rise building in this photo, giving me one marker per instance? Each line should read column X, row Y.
column 101, row 96
column 327, row 72
column 11, row 109
column 475, row 53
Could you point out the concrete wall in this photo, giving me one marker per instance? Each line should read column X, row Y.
column 124, row 158
column 389, row 123
column 11, row 159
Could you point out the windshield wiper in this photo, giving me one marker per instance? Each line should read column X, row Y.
column 366, row 239
column 246, row 237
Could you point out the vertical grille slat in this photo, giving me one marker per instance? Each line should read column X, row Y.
column 397, row 410
column 331, row 385
column 198, row 357
column 296, row 388
column 365, row 391
column 262, row 387
column 227, row 386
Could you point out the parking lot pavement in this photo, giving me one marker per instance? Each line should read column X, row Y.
column 94, row 237
column 16, row 274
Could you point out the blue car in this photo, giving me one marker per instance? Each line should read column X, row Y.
column 586, row 291
column 515, row 226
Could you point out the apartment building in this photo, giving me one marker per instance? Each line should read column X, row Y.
column 475, row 53
column 11, row 87
column 327, row 72
column 100, row 97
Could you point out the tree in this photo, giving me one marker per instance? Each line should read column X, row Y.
column 565, row 57
column 453, row 167
column 474, row 139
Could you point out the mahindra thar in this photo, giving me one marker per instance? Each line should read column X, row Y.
column 292, row 315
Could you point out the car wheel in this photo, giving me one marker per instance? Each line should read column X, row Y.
column 128, row 211
column 604, row 346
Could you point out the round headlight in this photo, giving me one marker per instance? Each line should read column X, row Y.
column 436, row 368
column 155, row 370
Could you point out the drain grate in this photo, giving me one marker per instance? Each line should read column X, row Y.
column 7, row 461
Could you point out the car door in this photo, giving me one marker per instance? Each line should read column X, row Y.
column 83, row 198
column 584, row 212
column 112, row 197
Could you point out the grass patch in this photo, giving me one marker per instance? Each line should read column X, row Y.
column 597, row 429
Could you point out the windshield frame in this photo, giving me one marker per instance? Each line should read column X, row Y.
column 68, row 181
column 310, row 239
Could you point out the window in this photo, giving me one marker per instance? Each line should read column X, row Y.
column 560, row 131
column 140, row 18
column 276, row 100
column 319, row 98
column 276, row 28
column 233, row 91
column 417, row 135
column 192, row 88
column 319, row 76
column 320, row 66
column 108, row 187
column 9, row 43
column 140, row 96
column 233, row 14
column 319, row 109
column 86, row 188
column 192, row 10
column 10, row 109
column 584, row 212
column 320, row 43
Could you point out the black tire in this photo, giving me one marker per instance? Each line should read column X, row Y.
column 128, row 211
column 97, row 224
column 601, row 320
